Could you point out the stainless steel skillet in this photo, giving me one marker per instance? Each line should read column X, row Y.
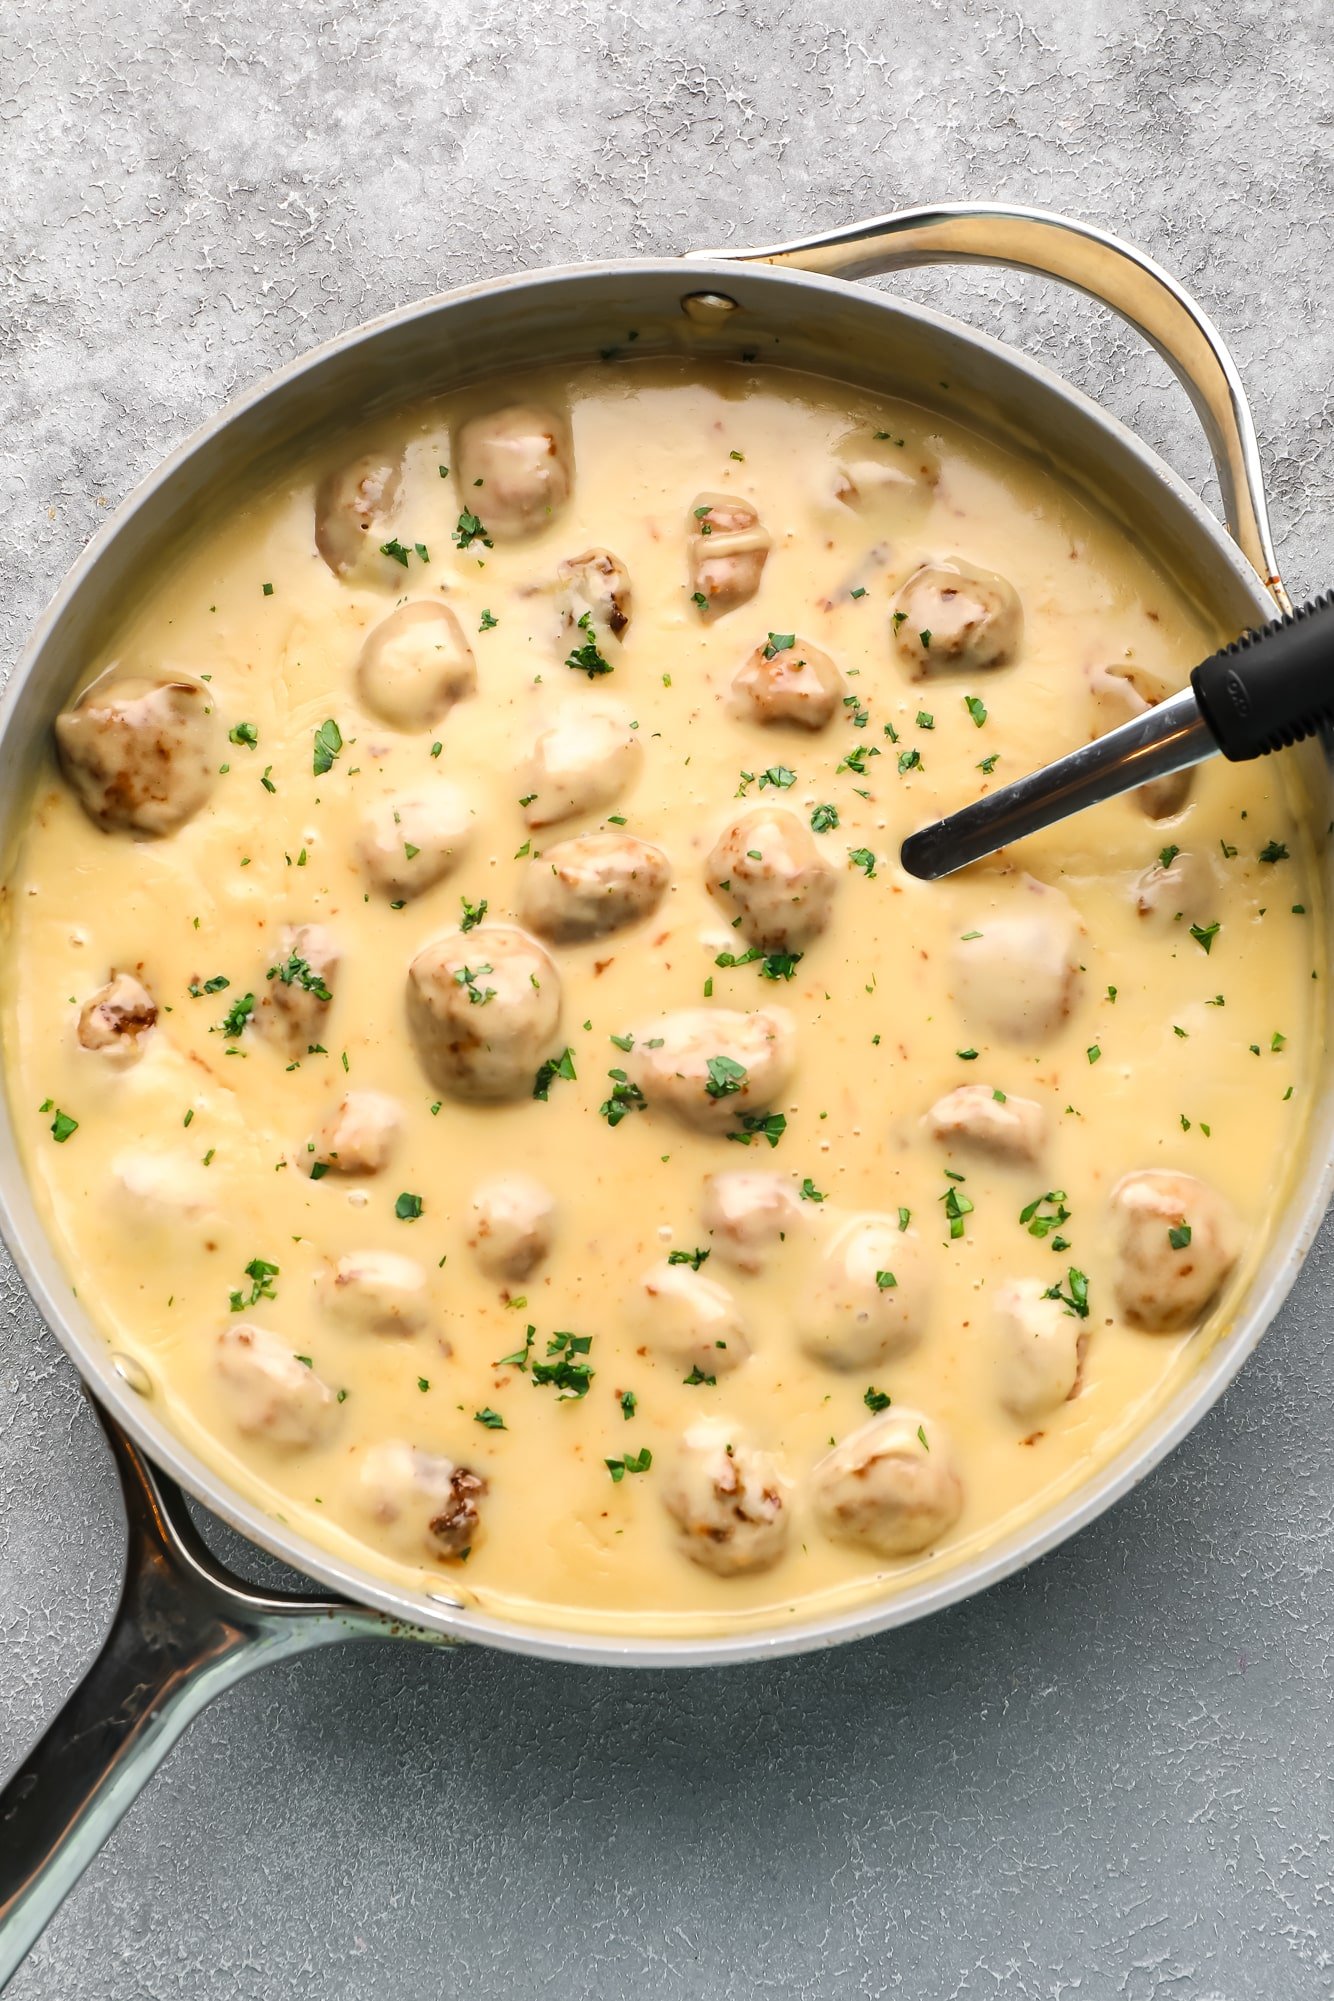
column 185, row 1629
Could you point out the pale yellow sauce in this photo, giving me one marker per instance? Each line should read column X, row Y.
column 878, row 1027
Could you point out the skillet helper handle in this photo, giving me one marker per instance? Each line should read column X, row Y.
column 1271, row 688
column 1103, row 267
column 185, row 1629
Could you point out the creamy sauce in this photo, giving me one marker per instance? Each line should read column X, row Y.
column 192, row 1161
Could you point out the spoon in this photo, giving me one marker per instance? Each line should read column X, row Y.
column 1268, row 690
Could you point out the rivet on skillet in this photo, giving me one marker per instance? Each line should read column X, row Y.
column 443, row 1598
column 133, row 1373
column 708, row 308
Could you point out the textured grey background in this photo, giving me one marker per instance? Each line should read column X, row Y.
column 1109, row 1777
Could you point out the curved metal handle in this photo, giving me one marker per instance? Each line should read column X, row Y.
column 185, row 1629
column 1103, row 267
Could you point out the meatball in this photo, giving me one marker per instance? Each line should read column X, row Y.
column 1039, row 1347
column 412, row 841
column 415, row 665
column 164, row 1195
column 377, row 1292
column 294, row 1008
column 593, row 884
column 1177, row 892
column 981, row 1119
column 1176, row 1242
column 1016, row 967
column 515, row 469
column 714, row 1067
column 1121, row 692
column 596, row 587
column 116, row 1020
column 357, row 1137
column 511, row 1222
column 768, row 868
column 747, row 1213
column 726, row 549
column 892, row 1485
column 950, row 618
column 879, row 476
column 140, row 756
column 352, row 508
column 582, row 761
column 427, row 1502
column 268, row 1392
column 693, row 1322
column 871, row 1297
column 787, row 680
column 483, row 1008
column 728, row 1500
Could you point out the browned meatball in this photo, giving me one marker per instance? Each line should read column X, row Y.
column 515, row 469
column 726, row 551
column 582, row 761
column 892, row 1485
column 294, row 1007
column 1176, row 1243
column 748, row 1213
column 357, row 1137
column 714, row 1066
column 117, row 1018
column 1016, row 967
column 769, row 869
column 353, row 504
column 377, row 1292
column 596, row 586
column 690, row 1320
column 787, row 680
column 728, row 1500
column 951, row 618
column 269, row 1392
column 483, row 1008
column 415, row 665
column 981, row 1119
column 427, row 1503
column 140, row 754
column 593, row 884
column 511, row 1225
column 413, row 840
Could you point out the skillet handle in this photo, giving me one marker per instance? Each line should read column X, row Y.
column 185, row 1629
column 1105, row 268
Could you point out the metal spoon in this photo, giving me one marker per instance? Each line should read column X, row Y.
column 1268, row 690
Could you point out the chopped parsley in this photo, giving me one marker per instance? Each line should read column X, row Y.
column 587, row 659
column 809, row 1192
column 1045, row 1213
column 490, row 1418
column 328, row 743
column 213, row 986
column 911, row 760
column 726, row 1076
column 1204, row 935
column 632, row 1462
column 877, row 1400
column 1273, row 851
column 756, row 1125
column 1179, row 1236
column 824, row 819
column 470, row 530
column 245, row 733
column 408, row 1208
column 625, row 1097
column 473, row 913
column 261, row 1275
column 988, row 764
column 780, row 775
column 62, row 1125
column 693, row 1258
column 957, row 1206
column 863, row 859
column 1076, row 1300
column 697, row 1376
column 294, row 971
column 779, row 642
column 629, row 1404
column 976, row 708
column 570, row 1378
column 555, row 1066
column 885, row 1281
column 467, row 977
column 237, row 1015
column 489, row 622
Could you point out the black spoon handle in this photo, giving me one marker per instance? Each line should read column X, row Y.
column 1273, row 687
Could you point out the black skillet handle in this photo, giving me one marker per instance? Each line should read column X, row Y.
column 1273, row 687
column 184, row 1630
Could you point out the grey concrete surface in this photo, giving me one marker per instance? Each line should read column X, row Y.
column 1109, row 1777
